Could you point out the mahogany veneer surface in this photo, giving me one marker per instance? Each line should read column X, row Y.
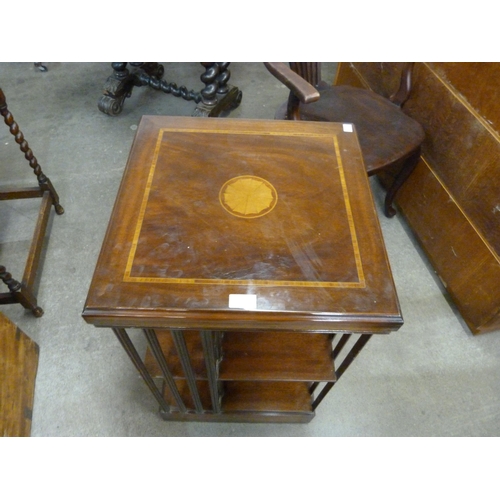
column 276, row 356
column 209, row 208
column 18, row 368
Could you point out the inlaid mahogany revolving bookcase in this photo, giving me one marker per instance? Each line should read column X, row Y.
column 250, row 254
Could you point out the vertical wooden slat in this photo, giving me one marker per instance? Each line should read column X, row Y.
column 162, row 363
column 127, row 344
column 210, row 352
column 182, row 351
column 313, row 387
column 340, row 345
column 310, row 71
column 356, row 349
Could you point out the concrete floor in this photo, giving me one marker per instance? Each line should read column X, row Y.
column 432, row 378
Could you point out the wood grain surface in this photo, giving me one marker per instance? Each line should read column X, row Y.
column 173, row 254
column 18, row 367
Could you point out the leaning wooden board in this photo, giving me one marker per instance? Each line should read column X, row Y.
column 18, row 367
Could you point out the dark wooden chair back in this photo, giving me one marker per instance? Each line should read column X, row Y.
column 388, row 137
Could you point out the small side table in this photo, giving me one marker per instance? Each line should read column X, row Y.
column 250, row 254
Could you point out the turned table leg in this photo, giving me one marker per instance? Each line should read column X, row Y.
column 218, row 96
column 43, row 180
column 19, row 294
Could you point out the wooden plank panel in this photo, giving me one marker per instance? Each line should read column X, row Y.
column 462, row 149
column 428, row 207
column 276, row 356
column 18, row 367
column 477, row 82
column 267, row 397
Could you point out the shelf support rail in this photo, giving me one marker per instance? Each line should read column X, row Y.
column 180, row 345
column 162, row 363
column 210, row 350
column 350, row 357
column 127, row 344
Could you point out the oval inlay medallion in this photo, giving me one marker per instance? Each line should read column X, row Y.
column 248, row 196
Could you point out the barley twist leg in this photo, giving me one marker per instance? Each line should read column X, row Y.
column 43, row 180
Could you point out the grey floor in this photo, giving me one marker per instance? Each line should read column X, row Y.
column 432, row 378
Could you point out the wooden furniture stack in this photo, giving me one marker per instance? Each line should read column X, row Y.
column 250, row 254
column 451, row 200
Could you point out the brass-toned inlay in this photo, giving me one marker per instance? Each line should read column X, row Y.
column 248, row 196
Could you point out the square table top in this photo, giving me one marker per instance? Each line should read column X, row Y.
column 244, row 224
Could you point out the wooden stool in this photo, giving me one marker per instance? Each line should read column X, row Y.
column 18, row 367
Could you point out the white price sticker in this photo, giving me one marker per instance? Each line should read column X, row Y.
column 242, row 301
